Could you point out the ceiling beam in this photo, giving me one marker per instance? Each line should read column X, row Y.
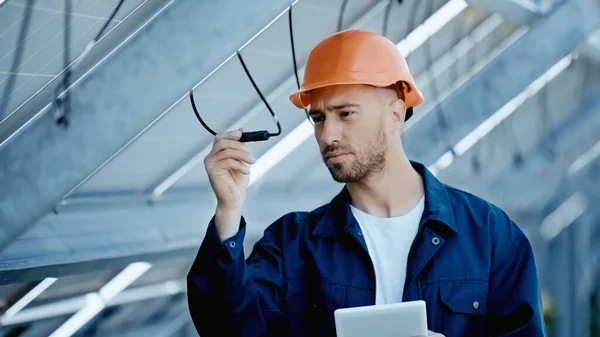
column 164, row 59
column 522, row 13
column 549, row 40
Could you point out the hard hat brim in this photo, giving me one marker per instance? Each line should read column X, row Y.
column 301, row 99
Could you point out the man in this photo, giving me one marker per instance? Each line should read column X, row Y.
column 394, row 233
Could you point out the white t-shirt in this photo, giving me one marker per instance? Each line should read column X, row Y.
column 388, row 241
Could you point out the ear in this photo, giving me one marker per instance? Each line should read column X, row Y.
column 399, row 113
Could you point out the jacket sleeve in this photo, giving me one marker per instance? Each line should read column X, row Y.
column 229, row 296
column 515, row 297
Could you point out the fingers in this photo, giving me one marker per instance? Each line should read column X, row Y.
column 232, row 135
column 232, row 164
column 229, row 154
column 242, row 156
column 226, row 164
column 227, row 140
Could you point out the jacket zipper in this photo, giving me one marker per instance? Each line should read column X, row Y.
column 366, row 250
column 410, row 251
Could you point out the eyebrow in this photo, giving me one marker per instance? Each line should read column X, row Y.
column 334, row 108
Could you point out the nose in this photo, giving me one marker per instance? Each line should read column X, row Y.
column 330, row 131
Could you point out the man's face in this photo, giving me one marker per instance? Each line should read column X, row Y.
column 352, row 125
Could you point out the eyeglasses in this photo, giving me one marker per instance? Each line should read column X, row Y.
column 255, row 136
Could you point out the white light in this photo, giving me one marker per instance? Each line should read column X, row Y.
column 72, row 305
column 564, row 215
column 142, row 293
column 43, row 311
column 509, row 108
column 95, row 302
column 594, row 38
column 284, row 147
column 444, row 161
column 585, row 159
column 31, row 295
column 126, row 277
column 93, row 306
column 433, row 170
column 172, row 287
column 431, row 26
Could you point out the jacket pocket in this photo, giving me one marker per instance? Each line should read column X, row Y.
column 465, row 307
column 298, row 297
column 330, row 296
column 311, row 307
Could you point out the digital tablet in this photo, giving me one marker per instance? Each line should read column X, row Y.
column 406, row 319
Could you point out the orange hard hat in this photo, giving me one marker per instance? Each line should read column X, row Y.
column 357, row 57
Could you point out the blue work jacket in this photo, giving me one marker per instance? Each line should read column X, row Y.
column 471, row 264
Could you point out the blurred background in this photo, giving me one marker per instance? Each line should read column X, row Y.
column 103, row 195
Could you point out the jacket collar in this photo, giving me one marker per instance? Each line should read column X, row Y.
column 338, row 217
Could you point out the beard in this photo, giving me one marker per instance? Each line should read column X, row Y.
column 367, row 161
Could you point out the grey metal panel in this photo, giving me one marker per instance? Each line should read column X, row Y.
column 44, row 163
column 509, row 73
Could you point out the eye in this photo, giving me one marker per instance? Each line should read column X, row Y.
column 317, row 118
column 346, row 113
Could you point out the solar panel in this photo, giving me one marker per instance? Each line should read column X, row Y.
column 32, row 34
